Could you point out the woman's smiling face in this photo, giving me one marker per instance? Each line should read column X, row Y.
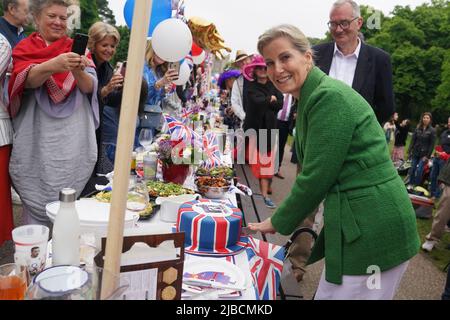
column 52, row 22
column 105, row 49
column 287, row 67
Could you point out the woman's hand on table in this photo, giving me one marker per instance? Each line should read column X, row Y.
column 263, row 227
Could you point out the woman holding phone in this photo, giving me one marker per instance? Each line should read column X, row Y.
column 53, row 111
column 158, row 76
column 102, row 43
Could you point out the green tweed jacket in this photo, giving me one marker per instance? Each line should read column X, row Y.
column 368, row 217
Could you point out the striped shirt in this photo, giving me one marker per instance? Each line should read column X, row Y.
column 6, row 131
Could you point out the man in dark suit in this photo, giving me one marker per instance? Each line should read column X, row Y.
column 365, row 68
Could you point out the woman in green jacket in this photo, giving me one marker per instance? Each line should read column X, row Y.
column 370, row 231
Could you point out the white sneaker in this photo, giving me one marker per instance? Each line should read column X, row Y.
column 15, row 197
column 447, row 229
column 428, row 245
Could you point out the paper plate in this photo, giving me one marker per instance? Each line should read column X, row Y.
column 221, row 270
column 92, row 213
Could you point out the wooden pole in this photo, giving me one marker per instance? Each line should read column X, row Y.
column 125, row 139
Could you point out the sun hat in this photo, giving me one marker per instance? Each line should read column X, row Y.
column 227, row 75
column 240, row 55
column 257, row 61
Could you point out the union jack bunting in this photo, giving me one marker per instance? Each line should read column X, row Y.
column 266, row 264
column 211, row 149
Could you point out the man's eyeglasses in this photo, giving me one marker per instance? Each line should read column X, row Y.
column 345, row 24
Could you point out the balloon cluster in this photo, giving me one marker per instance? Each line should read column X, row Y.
column 207, row 37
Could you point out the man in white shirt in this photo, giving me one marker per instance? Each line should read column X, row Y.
column 238, row 90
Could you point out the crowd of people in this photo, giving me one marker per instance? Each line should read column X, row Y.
column 59, row 119
column 60, row 110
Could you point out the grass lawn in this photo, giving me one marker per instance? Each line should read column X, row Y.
column 440, row 256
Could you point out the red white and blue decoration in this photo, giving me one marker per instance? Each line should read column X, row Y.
column 266, row 266
column 211, row 228
column 211, row 149
column 178, row 131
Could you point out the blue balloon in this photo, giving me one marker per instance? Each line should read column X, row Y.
column 161, row 10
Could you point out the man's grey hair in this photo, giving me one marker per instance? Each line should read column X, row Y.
column 6, row 3
column 355, row 7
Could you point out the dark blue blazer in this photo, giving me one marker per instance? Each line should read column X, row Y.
column 373, row 76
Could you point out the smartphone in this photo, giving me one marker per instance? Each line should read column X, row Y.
column 118, row 67
column 80, row 43
column 175, row 66
column 123, row 69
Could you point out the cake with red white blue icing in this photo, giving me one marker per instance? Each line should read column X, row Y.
column 211, row 227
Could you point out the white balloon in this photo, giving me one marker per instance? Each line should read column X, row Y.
column 172, row 40
column 184, row 74
column 200, row 58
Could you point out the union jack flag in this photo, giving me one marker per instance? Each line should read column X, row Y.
column 178, row 131
column 211, row 149
column 266, row 264
column 186, row 113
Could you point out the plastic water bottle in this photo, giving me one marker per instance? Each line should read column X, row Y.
column 66, row 231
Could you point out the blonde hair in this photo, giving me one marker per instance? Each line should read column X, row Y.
column 99, row 31
column 296, row 37
column 150, row 56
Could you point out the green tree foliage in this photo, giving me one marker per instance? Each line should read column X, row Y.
column 442, row 99
column 122, row 48
column 105, row 13
column 89, row 14
column 373, row 19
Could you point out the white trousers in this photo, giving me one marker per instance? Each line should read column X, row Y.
column 381, row 286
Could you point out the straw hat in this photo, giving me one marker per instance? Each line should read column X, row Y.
column 240, row 55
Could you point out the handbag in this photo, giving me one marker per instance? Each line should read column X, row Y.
column 151, row 116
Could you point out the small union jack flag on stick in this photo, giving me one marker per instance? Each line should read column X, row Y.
column 266, row 264
column 211, row 149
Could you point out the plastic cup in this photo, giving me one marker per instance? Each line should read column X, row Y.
column 150, row 166
column 13, row 281
column 31, row 247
